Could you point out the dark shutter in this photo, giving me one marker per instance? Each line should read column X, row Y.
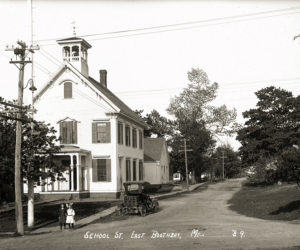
column 134, row 171
column 94, row 170
column 61, row 131
column 69, row 132
column 94, row 132
column 74, row 132
column 108, row 170
column 107, row 131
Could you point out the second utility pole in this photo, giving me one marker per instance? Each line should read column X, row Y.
column 186, row 166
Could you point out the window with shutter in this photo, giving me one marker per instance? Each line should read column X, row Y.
column 127, row 135
column 67, row 90
column 68, row 132
column 134, row 138
column 141, row 171
column 128, row 170
column 101, row 170
column 120, row 133
column 141, row 139
column 101, row 132
column 134, row 171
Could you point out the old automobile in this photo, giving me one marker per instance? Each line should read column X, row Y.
column 136, row 201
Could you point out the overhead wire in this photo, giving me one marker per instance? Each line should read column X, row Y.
column 203, row 23
column 54, row 59
column 51, row 60
column 228, row 85
column 90, row 99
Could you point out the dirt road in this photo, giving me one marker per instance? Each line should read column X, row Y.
column 198, row 220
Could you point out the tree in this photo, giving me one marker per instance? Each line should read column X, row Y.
column 290, row 157
column 38, row 148
column 232, row 162
column 7, row 146
column 158, row 125
column 270, row 129
column 198, row 121
column 39, row 144
column 194, row 104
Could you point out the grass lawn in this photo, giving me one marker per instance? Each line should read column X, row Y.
column 276, row 202
column 49, row 212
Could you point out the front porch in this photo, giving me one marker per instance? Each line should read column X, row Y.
column 76, row 184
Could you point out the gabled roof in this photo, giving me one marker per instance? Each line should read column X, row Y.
column 124, row 109
column 153, row 149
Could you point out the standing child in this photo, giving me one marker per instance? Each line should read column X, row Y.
column 70, row 216
column 62, row 216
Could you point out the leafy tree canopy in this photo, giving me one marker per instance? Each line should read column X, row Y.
column 194, row 104
column 232, row 162
column 271, row 127
column 39, row 144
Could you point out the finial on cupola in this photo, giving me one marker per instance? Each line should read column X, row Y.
column 74, row 28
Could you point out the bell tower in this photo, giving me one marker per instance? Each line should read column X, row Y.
column 74, row 50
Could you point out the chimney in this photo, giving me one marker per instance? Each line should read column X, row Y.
column 103, row 77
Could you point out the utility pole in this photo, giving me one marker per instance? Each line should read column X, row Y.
column 223, row 164
column 186, row 163
column 21, row 53
column 223, row 171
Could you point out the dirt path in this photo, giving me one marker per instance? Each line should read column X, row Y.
column 198, row 220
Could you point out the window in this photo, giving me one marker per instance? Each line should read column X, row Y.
column 141, row 171
column 101, row 132
column 140, row 139
column 127, row 135
column 134, row 138
column 134, row 171
column 68, row 132
column 67, row 90
column 120, row 133
column 75, row 51
column 101, row 170
column 128, row 170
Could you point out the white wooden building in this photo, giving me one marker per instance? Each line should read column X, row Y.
column 102, row 137
column 156, row 161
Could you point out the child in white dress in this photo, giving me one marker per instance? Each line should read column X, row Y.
column 70, row 216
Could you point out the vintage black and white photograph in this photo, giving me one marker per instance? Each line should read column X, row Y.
column 139, row 124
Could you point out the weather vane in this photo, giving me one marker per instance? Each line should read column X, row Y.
column 74, row 28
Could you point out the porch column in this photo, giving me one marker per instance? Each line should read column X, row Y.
column 72, row 172
column 78, row 161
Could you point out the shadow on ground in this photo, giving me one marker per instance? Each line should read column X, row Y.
column 272, row 202
column 46, row 215
column 290, row 207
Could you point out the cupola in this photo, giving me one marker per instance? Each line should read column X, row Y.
column 74, row 50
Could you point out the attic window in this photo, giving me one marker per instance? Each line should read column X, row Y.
column 68, row 90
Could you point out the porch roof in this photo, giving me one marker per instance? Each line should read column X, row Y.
column 73, row 149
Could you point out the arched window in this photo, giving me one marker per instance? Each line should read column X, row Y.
column 67, row 90
column 75, row 51
column 66, row 51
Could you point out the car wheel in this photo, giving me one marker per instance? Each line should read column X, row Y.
column 143, row 210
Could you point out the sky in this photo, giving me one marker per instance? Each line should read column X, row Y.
column 148, row 47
